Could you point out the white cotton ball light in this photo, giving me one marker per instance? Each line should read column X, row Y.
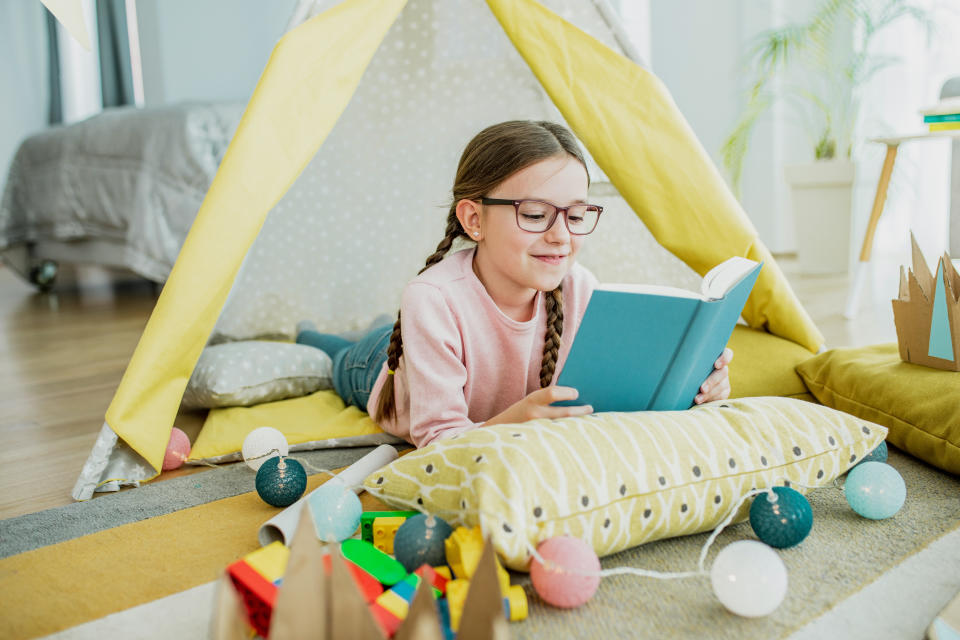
column 259, row 444
column 749, row 578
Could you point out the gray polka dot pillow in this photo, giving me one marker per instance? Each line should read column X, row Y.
column 255, row 371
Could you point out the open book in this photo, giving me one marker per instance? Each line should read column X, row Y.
column 647, row 347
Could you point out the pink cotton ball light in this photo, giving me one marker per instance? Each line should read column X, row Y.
column 178, row 450
column 569, row 575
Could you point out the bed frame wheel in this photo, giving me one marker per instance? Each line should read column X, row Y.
column 44, row 274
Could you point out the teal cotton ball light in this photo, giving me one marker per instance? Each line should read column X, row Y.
column 784, row 521
column 281, row 481
column 875, row 490
column 419, row 540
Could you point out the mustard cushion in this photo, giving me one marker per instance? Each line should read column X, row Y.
column 765, row 365
column 617, row 480
column 919, row 405
column 317, row 421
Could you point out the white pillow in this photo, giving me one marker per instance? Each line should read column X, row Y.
column 255, row 371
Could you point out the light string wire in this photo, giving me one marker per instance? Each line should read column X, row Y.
column 646, row 573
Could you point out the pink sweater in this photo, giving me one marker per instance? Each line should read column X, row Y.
column 464, row 361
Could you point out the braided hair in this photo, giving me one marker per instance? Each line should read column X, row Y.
column 491, row 157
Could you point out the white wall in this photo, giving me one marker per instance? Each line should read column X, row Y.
column 209, row 50
column 23, row 76
column 696, row 49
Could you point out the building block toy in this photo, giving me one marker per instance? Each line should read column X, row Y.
column 269, row 561
column 515, row 603
column 367, row 518
column 375, row 562
column 369, row 587
column 388, row 622
column 437, row 581
column 384, row 530
column 258, row 594
column 464, row 547
column 444, row 610
column 444, row 571
column 456, row 597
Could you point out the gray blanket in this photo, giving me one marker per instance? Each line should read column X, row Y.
column 132, row 177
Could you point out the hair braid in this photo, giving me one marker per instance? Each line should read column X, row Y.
column 551, row 342
column 387, row 405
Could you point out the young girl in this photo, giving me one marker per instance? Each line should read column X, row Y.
column 481, row 332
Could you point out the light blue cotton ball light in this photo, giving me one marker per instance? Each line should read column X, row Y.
column 335, row 510
column 875, row 490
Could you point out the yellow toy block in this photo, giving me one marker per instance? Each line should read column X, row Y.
column 456, row 597
column 384, row 529
column 444, row 571
column 269, row 561
column 518, row 603
column 392, row 602
column 463, row 548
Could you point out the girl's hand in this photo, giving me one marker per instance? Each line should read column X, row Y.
column 537, row 404
column 717, row 384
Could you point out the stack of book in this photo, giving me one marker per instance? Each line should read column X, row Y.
column 944, row 116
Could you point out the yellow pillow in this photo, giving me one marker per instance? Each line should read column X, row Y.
column 764, row 365
column 920, row 405
column 317, row 421
column 617, row 480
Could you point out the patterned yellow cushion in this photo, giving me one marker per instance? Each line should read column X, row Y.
column 618, row 480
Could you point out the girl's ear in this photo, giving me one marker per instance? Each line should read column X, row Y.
column 468, row 213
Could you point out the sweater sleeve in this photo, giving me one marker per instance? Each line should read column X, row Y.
column 433, row 365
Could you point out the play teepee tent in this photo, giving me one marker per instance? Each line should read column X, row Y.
column 350, row 142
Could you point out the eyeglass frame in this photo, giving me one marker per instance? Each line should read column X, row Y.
column 556, row 211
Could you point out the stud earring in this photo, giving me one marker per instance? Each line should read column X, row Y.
column 476, row 233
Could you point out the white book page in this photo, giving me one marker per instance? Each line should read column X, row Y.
column 719, row 280
column 652, row 289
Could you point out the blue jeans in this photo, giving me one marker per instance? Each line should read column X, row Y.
column 356, row 365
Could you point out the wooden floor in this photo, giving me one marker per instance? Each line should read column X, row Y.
column 62, row 355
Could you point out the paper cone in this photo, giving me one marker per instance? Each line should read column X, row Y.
column 484, row 605
column 301, row 610
column 422, row 622
column 349, row 615
column 228, row 622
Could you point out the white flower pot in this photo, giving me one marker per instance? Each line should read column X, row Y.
column 821, row 195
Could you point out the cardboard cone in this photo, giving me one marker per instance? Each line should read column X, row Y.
column 422, row 622
column 229, row 617
column 484, row 605
column 301, row 610
column 349, row 615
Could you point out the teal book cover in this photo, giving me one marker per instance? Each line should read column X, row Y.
column 643, row 348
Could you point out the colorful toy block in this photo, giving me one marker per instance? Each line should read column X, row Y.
column 437, row 581
column 456, row 597
column 464, row 547
column 388, row 622
column 384, row 530
column 444, row 571
column 258, row 594
column 369, row 587
column 375, row 562
column 269, row 561
column 515, row 603
column 366, row 521
column 443, row 608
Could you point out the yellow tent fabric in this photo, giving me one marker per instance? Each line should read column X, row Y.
column 306, row 85
column 310, row 78
column 627, row 119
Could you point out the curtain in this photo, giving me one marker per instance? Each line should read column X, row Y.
column 116, row 77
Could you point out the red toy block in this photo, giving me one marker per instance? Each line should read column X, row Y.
column 257, row 593
column 432, row 577
column 388, row 622
column 368, row 585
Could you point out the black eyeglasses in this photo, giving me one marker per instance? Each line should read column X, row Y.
column 537, row 216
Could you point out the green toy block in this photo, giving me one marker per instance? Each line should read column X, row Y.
column 366, row 521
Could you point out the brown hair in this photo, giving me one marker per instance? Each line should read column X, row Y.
column 491, row 157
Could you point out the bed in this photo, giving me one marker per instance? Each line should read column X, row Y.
column 119, row 189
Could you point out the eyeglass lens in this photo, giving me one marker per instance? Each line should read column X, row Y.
column 539, row 216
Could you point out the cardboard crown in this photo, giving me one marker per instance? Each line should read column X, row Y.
column 927, row 313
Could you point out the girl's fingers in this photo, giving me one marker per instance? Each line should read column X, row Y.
column 724, row 358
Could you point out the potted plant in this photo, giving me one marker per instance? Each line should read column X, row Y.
column 817, row 69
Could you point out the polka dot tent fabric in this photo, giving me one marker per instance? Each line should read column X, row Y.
column 618, row 480
column 363, row 216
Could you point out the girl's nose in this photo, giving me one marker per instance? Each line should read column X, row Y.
column 558, row 233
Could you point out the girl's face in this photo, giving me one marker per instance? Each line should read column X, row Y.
column 515, row 263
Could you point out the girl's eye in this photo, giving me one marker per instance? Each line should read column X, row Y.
column 575, row 219
column 533, row 217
